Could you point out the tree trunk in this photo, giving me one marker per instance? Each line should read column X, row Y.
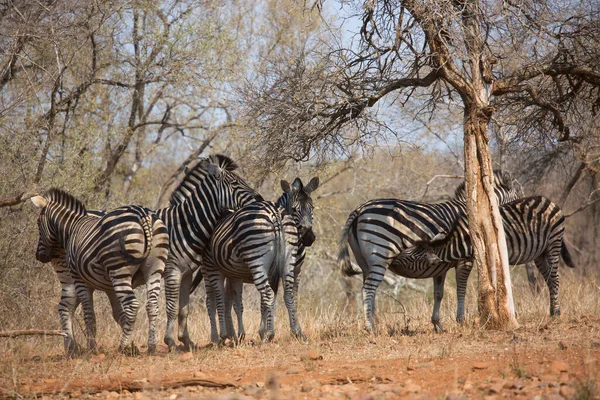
column 490, row 253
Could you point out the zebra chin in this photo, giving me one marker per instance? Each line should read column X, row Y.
column 308, row 238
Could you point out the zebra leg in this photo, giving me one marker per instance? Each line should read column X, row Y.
column 211, row 308
column 173, row 277
column 184, row 302
column 548, row 267
column 371, row 282
column 290, row 302
column 463, row 270
column 153, row 272
column 438, row 295
column 86, row 296
column 238, row 304
column 216, row 280
column 115, row 306
column 66, row 307
column 534, row 285
column 267, row 305
column 229, row 299
column 121, row 280
column 373, row 264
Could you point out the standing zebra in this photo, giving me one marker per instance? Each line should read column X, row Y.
column 534, row 229
column 297, row 203
column 380, row 229
column 108, row 253
column 69, row 300
column 260, row 243
column 209, row 188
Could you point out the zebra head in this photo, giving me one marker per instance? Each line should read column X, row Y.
column 58, row 209
column 214, row 181
column 423, row 250
column 503, row 188
column 297, row 202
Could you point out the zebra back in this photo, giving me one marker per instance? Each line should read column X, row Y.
column 532, row 226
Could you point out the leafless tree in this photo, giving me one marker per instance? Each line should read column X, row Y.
column 490, row 57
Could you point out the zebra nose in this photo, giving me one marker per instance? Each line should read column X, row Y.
column 308, row 238
column 43, row 257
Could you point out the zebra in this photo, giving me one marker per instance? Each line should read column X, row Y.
column 209, row 188
column 69, row 301
column 380, row 229
column 534, row 228
column 260, row 243
column 111, row 253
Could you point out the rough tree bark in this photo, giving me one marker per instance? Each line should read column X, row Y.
column 495, row 300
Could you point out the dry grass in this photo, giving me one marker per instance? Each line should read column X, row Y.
column 404, row 338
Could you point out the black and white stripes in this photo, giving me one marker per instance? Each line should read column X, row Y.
column 379, row 230
column 534, row 229
column 260, row 243
column 106, row 253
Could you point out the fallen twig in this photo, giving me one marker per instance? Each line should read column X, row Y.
column 31, row 332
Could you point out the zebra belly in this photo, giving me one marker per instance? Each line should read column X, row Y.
column 418, row 270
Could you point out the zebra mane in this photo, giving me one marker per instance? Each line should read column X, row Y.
column 66, row 200
column 197, row 172
column 501, row 179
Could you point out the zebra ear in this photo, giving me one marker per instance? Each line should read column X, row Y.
column 297, row 184
column 312, row 185
column 213, row 169
column 39, row 201
column 439, row 236
column 285, row 186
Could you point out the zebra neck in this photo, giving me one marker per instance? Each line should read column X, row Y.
column 68, row 224
column 194, row 220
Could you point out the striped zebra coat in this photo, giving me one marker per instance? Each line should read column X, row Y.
column 209, row 188
column 534, row 228
column 379, row 230
column 70, row 300
column 260, row 243
column 296, row 203
column 108, row 253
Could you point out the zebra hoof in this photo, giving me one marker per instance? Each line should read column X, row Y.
column 170, row 344
column 130, row 350
column 437, row 327
column 241, row 338
column 300, row 336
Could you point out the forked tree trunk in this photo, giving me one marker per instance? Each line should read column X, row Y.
column 496, row 308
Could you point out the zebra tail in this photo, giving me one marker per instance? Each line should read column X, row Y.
column 197, row 279
column 343, row 253
column 566, row 256
column 280, row 259
column 147, row 228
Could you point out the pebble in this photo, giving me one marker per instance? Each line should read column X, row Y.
column 567, row 392
column 293, row 370
column 186, row 356
column 480, row 365
column 559, row 366
column 311, row 354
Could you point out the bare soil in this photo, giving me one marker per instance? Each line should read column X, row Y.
column 549, row 358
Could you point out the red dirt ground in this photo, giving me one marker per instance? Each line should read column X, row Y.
column 557, row 359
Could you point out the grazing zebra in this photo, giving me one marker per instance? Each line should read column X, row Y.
column 380, row 229
column 209, row 188
column 260, row 243
column 534, row 228
column 109, row 253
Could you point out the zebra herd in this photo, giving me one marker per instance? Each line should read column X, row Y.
column 220, row 228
